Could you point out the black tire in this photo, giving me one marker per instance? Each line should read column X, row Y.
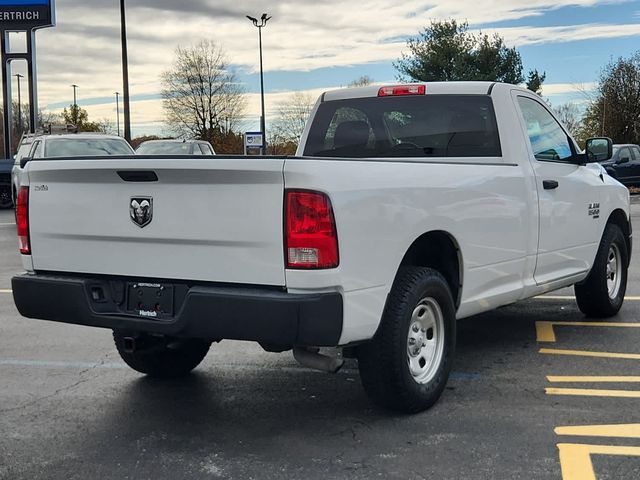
column 5, row 197
column 593, row 295
column 161, row 357
column 384, row 361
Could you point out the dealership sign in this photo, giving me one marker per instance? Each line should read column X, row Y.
column 19, row 15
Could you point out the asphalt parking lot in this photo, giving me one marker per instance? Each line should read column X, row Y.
column 537, row 393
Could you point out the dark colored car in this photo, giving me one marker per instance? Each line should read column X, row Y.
column 175, row 147
column 5, row 183
column 624, row 166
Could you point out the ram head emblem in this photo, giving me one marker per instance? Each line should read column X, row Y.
column 141, row 210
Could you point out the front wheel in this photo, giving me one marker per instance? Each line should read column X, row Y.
column 160, row 357
column 602, row 293
column 405, row 367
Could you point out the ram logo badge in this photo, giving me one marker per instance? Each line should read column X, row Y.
column 594, row 210
column 141, row 210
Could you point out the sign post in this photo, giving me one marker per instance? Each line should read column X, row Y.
column 253, row 143
column 22, row 16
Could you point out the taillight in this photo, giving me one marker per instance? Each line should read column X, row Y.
column 22, row 220
column 400, row 90
column 311, row 240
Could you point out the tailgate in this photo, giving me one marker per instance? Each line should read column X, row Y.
column 217, row 220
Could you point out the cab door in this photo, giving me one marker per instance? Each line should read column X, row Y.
column 568, row 195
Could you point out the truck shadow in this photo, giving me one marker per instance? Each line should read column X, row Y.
column 242, row 420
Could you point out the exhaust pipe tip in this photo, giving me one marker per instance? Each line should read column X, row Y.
column 129, row 344
column 311, row 358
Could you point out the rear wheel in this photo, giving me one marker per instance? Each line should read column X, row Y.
column 406, row 365
column 160, row 357
column 5, row 197
column 602, row 293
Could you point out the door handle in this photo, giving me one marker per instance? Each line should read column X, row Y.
column 550, row 184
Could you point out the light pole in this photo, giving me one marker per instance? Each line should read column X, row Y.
column 19, row 77
column 125, row 73
column 117, row 94
column 75, row 95
column 261, row 24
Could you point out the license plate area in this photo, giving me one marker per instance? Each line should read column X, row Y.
column 150, row 300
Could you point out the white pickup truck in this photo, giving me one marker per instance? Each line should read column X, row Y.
column 407, row 207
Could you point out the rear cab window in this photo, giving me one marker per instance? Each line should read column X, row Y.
column 411, row 126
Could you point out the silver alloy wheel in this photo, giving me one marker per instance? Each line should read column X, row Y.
column 425, row 340
column 614, row 271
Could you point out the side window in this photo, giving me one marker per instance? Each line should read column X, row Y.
column 636, row 153
column 204, row 149
column 548, row 140
column 625, row 152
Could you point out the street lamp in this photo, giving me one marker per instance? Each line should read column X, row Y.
column 19, row 77
column 125, row 72
column 261, row 24
column 75, row 95
column 117, row 94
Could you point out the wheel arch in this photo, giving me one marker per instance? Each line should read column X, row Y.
column 441, row 251
column 619, row 217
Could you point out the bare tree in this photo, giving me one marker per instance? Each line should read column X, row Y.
column 201, row 96
column 362, row 81
column 569, row 115
column 293, row 114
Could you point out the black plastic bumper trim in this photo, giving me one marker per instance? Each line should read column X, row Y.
column 206, row 311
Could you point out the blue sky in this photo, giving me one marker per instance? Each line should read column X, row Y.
column 312, row 46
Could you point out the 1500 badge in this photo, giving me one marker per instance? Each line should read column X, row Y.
column 594, row 210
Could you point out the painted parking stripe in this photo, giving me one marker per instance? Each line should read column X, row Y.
column 631, row 430
column 594, row 379
column 545, row 332
column 632, row 298
column 586, row 392
column 584, row 353
column 575, row 460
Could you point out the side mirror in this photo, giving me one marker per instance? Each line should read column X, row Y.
column 623, row 160
column 598, row 149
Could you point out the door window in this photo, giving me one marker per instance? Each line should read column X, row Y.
column 635, row 151
column 625, row 152
column 549, row 141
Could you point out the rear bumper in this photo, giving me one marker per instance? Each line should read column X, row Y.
column 202, row 311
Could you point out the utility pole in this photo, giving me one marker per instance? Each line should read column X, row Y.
column 263, row 22
column 125, row 73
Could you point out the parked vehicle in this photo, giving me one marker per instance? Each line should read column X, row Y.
column 6, row 201
column 66, row 145
column 624, row 165
column 175, row 147
column 407, row 207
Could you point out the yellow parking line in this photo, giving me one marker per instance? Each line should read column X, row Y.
column 585, row 392
column 6, row 291
column 582, row 353
column 575, row 460
column 594, row 379
column 545, row 333
column 631, row 430
column 632, row 298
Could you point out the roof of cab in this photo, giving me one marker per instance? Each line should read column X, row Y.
column 434, row 88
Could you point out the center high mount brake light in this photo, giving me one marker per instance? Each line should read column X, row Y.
column 402, row 90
